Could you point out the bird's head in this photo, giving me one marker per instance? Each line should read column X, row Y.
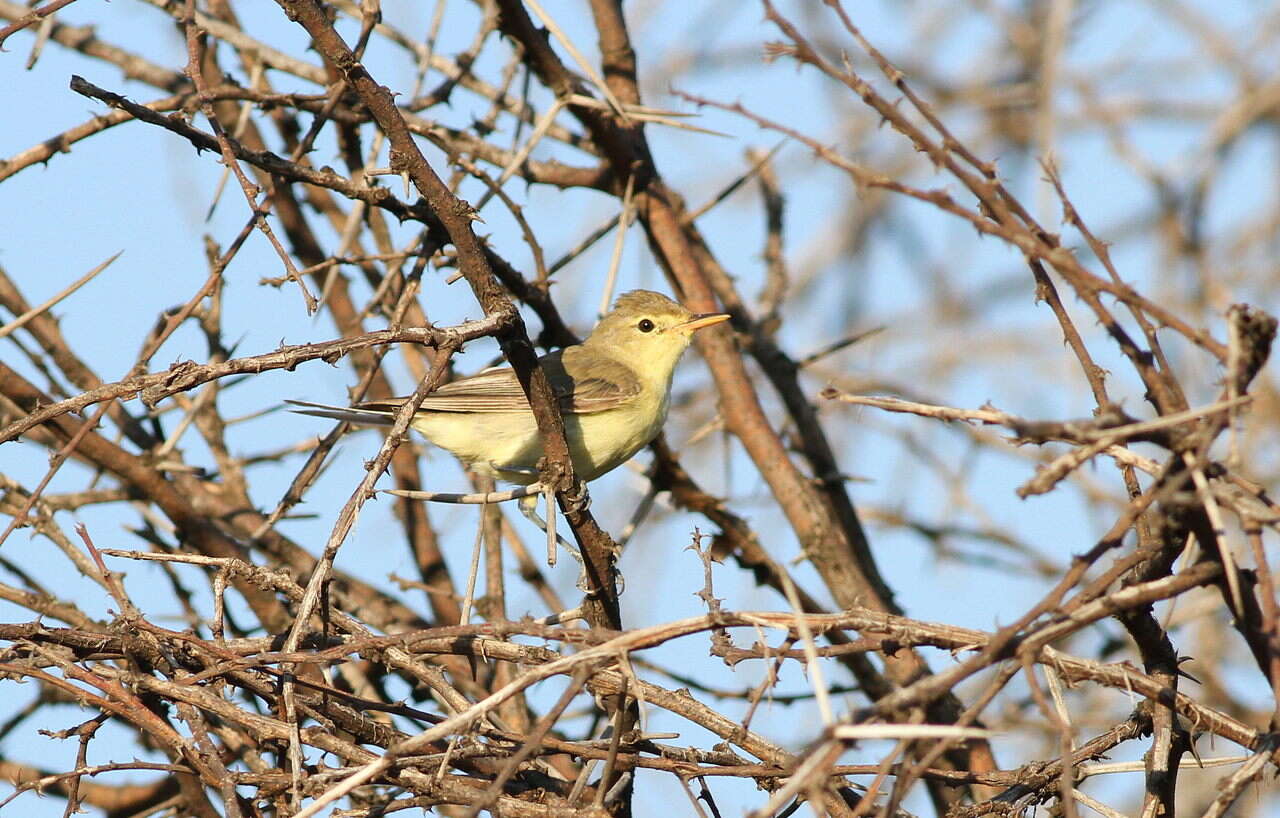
column 648, row 331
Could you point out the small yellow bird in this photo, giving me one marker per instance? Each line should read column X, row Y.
column 614, row 391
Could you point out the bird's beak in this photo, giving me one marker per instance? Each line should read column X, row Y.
column 697, row 322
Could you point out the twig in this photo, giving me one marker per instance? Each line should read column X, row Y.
column 21, row 320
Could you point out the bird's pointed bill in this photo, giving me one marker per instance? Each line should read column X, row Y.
column 697, row 322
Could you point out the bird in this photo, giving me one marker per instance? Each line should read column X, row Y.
column 614, row 390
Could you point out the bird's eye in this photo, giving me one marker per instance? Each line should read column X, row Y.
column 645, row 325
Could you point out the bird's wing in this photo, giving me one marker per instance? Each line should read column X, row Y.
column 490, row 390
column 582, row 389
column 603, row 385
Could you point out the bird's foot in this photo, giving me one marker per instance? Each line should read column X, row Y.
column 615, row 575
column 577, row 497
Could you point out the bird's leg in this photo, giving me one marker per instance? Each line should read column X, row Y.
column 528, row 506
column 576, row 497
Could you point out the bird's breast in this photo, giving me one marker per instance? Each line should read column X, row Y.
column 507, row 444
column 602, row 441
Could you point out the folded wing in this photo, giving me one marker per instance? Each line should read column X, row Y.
column 582, row 389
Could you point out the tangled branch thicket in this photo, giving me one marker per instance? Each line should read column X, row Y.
column 931, row 410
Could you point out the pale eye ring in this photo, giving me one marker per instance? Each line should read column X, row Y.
column 645, row 325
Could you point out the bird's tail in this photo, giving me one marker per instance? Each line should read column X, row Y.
column 365, row 417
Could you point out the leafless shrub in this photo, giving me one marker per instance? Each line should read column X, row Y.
column 1121, row 377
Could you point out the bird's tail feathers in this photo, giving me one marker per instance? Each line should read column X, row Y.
column 365, row 417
